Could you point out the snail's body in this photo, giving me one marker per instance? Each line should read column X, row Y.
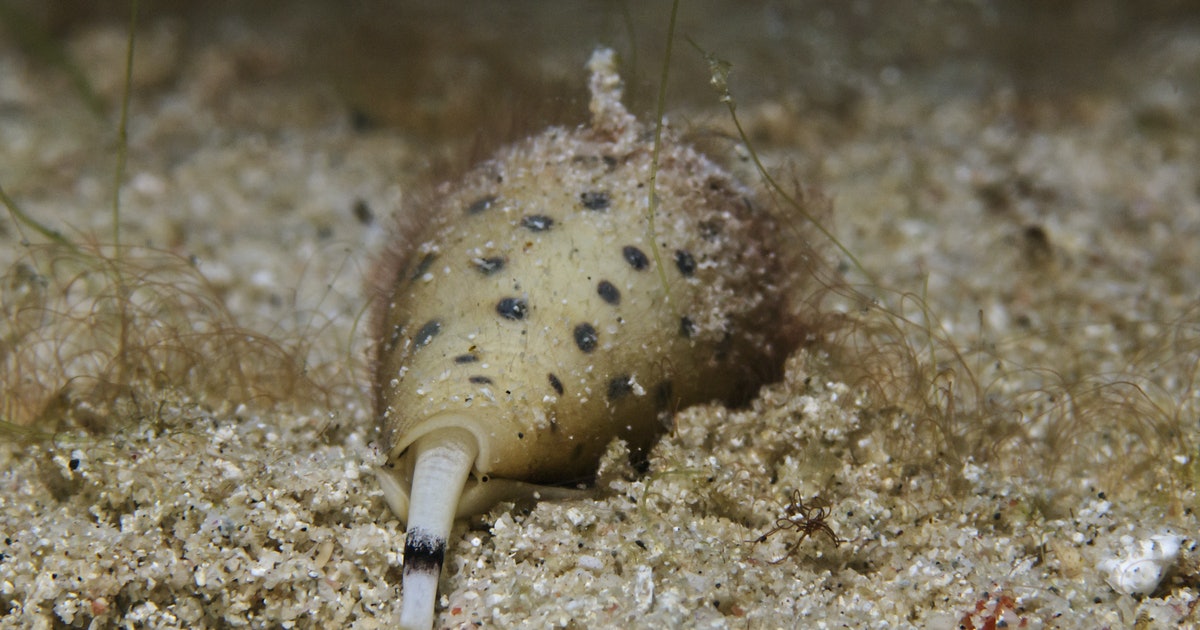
column 528, row 325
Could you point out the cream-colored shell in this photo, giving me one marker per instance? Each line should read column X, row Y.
column 503, row 319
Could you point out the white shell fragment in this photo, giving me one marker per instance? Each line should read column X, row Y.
column 1143, row 567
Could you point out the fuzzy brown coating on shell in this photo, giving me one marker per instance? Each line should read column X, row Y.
column 531, row 304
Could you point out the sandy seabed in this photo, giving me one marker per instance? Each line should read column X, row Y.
column 1020, row 184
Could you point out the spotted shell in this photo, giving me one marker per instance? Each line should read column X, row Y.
column 529, row 309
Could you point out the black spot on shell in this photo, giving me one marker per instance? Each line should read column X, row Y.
column 512, row 308
column 586, row 337
column 363, row 213
column 620, row 387
column 595, row 200
column 481, row 204
column 427, row 332
column 488, row 266
column 555, row 383
column 465, row 358
column 608, row 292
column 480, row 380
column 537, row 222
column 710, row 230
column 687, row 327
column 422, row 266
column 635, row 257
column 361, row 121
column 686, row 262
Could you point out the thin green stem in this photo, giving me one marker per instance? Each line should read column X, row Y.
column 20, row 217
column 720, row 80
column 118, row 178
column 123, row 130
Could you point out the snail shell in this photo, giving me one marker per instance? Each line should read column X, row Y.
column 526, row 324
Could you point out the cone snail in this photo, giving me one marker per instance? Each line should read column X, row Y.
column 524, row 322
